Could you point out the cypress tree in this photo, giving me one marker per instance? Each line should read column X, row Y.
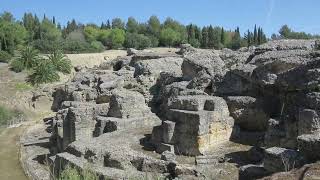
column 108, row 24
column 54, row 20
column 103, row 26
column 198, row 33
column 249, row 38
column 205, row 37
column 210, row 37
column 223, row 38
column 259, row 36
column 255, row 35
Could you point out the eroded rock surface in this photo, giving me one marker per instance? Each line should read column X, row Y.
column 139, row 114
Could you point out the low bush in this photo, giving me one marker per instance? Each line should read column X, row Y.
column 28, row 58
column 7, row 114
column 44, row 72
column 73, row 174
column 76, row 46
column 137, row 41
column 60, row 61
column 5, row 56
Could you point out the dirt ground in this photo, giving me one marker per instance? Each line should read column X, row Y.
column 94, row 59
column 10, row 168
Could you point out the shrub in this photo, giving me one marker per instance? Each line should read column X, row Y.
column 29, row 57
column 46, row 46
column 44, row 72
column 71, row 173
column 60, row 61
column 137, row 41
column 76, row 46
column 5, row 56
column 97, row 46
column 7, row 114
column 17, row 65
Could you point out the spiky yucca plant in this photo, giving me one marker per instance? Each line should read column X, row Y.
column 44, row 72
column 29, row 57
column 60, row 61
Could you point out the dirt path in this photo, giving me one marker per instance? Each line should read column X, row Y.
column 10, row 168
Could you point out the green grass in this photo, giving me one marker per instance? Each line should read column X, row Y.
column 71, row 173
column 23, row 86
column 7, row 114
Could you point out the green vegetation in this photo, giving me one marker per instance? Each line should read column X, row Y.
column 71, row 173
column 5, row 56
column 46, row 70
column 23, row 86
column 46, row 35
column 43, row 69
column 7, row 114
column 287, row 33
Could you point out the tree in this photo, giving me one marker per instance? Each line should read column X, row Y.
column 7, row 16
column 116, row 38
column 137, row 41
column 103, row 26
column 132, row 25
column 54, row 20
column 91, row 33
column 103, row 36
column 108, row 26
column 48, row 31
column 178, row 28
column 205, row 37
column 193, row 35
column 117, row 23
column 12, row 34
column 223, row 38
column 210, row 37
column 236, row 40
column 169, row 37
column 249, row 37
column 285, row 32
column 154, row 26
column 255, row 35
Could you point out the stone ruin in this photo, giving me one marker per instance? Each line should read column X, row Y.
column 147, row 114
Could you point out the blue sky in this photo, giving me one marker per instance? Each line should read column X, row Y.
column 270, row 14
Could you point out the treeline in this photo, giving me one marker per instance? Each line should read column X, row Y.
column 46, row 34
column 287, row 33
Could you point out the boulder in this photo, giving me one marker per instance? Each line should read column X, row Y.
column 198, row 122
column 280, row 159
column 154, row 67
column 308, row 121
column 206, row 60
column 248, row 113
column 168, row 156
column 309, row 145
column 252, row 171
column 131, row 51
column 127, row 104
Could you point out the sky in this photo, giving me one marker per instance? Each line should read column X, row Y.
column 300, row 15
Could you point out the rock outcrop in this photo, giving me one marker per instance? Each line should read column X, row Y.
column 192, row 103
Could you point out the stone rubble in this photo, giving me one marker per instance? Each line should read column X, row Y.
column 144, row 112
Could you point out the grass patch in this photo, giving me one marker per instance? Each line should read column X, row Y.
column 71, row 173
column 23, row 86
column 7, row 114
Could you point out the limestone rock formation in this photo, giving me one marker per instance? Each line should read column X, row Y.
column 140, row 113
